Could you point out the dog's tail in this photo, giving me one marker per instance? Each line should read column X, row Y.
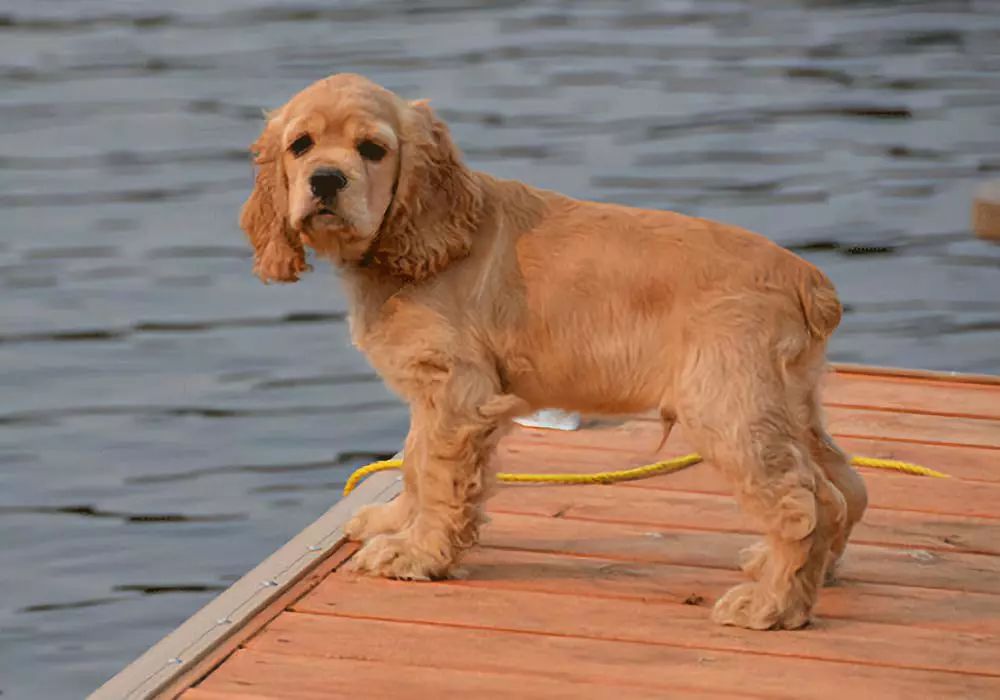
column 820, row 304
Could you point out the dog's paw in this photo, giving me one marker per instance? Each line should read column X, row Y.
column 396, row 556
column 377, row 519
column 749, row 605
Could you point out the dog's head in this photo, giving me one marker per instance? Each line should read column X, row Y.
column 362, row 177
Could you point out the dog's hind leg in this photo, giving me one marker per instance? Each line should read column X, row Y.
column 837, row 468
column 734, row 407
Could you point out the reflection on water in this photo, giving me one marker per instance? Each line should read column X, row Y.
column 167, row 421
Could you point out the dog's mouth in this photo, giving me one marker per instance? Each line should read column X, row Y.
column 330, row 232
column 328, row 218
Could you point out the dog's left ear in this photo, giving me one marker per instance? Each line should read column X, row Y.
column 437, row 204
column 278, row 252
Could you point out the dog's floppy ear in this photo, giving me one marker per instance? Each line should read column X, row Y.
column 278, row 252
column 437, row 203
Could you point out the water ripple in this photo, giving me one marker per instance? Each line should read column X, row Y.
column 341, row 460
column 140, row 327
column 89, row 511
column 52, row 416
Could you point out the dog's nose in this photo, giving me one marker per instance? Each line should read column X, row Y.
column 326, row 182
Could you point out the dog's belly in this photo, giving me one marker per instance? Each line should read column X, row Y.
column 590, row 395
column 597, row 369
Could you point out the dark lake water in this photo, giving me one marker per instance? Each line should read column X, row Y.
column 166, row 421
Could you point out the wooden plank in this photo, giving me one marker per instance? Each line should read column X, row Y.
column 198, row 694
column 926, row 374
column 701, row 586
column 641, row 436
column 525, row 452
column 236, row 611
column 639, row 543
column 706, row 511
column 285, row 676
column 625, row 663
column 912, row 395
column 635, row 442
column 661, row 624
column 887, row 490
column 936, row 532
column 221, row 651
column 986, row 211
column 957, row 461
column 949, row 424
column 939, row 430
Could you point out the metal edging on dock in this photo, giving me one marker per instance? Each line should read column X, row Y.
column 226, row 616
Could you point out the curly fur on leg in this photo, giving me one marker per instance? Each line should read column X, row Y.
column 453, row 435
column 837, row 468
column 380, row 518
column 773, row 474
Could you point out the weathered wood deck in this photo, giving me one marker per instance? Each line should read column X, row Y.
column 598, row 591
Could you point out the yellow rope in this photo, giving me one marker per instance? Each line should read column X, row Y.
column 364, row 472
column 896, row 465
column 612, row 477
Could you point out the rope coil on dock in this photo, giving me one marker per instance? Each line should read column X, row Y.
column 644, row 472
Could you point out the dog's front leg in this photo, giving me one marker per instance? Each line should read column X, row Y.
column 453, row 434
column 386, row 518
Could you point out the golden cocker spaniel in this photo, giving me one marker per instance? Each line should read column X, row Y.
column 479, row 299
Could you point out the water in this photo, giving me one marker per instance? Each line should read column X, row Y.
column 167, row 421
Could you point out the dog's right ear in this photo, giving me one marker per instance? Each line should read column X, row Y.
column 278, row 252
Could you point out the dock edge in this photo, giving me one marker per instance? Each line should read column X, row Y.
column 180, row 659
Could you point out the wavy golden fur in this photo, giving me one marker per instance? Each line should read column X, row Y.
column 478, row 299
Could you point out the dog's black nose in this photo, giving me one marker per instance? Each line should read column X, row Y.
column 326, row 182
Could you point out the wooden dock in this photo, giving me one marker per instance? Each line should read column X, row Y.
column 605, row 591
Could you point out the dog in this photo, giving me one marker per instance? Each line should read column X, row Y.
column 479, row 299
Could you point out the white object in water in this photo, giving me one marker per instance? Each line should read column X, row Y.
column 551, row 418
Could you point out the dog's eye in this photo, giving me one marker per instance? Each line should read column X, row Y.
column 370, row 150
column 301, row 145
